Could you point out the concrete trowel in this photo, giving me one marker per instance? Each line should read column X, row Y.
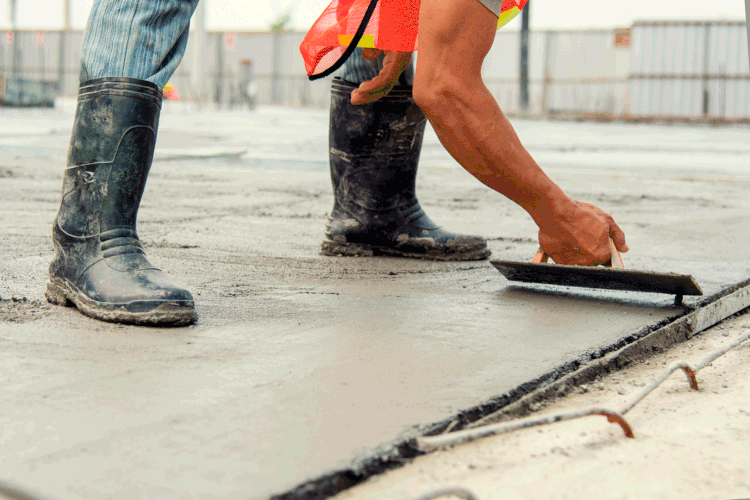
column 610, row 276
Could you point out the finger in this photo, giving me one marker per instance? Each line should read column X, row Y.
column 560, row 253
column 370, row 54
column 615, row 232
column 394, row 64
column 564, row 252
column 574, row 259
column 618, row 236
column 578, row 257
column 374, row 89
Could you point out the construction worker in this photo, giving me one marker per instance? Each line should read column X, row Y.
column 454, row 38
column 130, row 51
column 132, row 48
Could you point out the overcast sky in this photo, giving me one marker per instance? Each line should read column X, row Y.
column 250, row 15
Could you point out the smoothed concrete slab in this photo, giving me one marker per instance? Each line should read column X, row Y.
column 302, row 365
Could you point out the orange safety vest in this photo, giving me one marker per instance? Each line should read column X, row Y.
column 382, row 24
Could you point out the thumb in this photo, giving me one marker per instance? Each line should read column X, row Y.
column 618, row 236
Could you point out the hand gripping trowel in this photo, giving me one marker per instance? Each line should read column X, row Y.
column 611, row 276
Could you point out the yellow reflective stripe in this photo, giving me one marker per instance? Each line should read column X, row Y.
column 506, row 16
column 366, row 42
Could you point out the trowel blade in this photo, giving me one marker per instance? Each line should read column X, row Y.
column 599, row 277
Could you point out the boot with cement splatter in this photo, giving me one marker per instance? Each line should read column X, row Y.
column 99, row 264
column 374, row 151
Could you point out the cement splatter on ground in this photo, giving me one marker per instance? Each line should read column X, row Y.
column 21, row 310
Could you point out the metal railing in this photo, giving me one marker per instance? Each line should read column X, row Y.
column 651, row 71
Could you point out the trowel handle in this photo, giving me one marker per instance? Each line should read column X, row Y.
column 540, row 257
column 615, row 261
column 616, row 257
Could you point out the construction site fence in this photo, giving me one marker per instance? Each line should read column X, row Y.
column 684, row 71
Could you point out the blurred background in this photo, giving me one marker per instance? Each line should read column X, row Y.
column 641, row 60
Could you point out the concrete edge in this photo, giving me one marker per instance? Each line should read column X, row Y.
column 734, row 301
column 530, row 396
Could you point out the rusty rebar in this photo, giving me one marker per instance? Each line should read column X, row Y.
column 429, row 443
column 677, row 365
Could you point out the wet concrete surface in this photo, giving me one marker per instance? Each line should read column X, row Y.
column 301, row 365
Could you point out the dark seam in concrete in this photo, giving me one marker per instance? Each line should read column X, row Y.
column 663, row 338
column 518, row 402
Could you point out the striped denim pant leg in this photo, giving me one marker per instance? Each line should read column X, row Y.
column 357, row 69
column 143, row 39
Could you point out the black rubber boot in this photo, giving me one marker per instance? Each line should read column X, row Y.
column 374, row 152
column 99, row 263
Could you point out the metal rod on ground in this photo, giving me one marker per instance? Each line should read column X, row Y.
column 436, row 442
column 430, row 443
column 677, row 365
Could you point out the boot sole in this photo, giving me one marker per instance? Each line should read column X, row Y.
column 337, row 249
column 167, row 313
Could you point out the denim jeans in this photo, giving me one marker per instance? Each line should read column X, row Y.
column 146, row 39
column 143, row 39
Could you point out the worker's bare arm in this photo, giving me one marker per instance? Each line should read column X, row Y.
column 454, row 37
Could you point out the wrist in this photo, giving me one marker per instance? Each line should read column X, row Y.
column 556, row 210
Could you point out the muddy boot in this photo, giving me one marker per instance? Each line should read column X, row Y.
column 374, row 151
column 99, row 263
